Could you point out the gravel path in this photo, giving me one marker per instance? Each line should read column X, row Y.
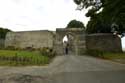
column 61, row 64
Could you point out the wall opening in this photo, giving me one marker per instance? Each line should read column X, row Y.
column 123, row 43
column 65, row 39
column 68, row 44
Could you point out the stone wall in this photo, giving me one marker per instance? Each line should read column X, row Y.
column 76, row 47
column 103, row 42
column 2, row 43
column 32, row 39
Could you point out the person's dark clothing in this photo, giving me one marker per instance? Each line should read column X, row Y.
column 66, row 50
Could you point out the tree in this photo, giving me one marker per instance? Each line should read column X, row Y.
column 75, row 24
column 3, row 32
column 113, row 11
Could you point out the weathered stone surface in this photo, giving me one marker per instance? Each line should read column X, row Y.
column 33, row 39
column 103, row 42
column 2, row 43
column 76, row 45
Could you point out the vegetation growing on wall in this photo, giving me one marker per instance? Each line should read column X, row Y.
column 3, row 32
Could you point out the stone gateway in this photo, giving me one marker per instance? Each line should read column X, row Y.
column 78, row 41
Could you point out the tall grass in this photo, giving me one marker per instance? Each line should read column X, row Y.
column 18, row 58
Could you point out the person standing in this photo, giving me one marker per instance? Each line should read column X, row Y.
column 66, row 47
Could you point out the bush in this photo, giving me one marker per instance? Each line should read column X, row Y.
column 29, row 48
column 10, row 48
column 48, row 52
column 97, row 53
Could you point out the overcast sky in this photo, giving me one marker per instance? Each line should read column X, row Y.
column 20, row 15
column 23, row 15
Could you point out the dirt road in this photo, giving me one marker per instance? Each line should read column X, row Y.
column 66, row 69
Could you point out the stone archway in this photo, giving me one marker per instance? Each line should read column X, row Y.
column 76, row 38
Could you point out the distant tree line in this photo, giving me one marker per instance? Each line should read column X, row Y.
column 75, row 24
column 3, row 32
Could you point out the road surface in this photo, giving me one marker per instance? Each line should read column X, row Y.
column 67, row 69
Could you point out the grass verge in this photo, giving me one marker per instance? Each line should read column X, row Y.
column 114, row 56
column 22, row 58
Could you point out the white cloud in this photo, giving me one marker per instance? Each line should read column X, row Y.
column 21, row 15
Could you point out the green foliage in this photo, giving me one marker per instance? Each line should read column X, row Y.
column 96, row 25
column 113, row 11
column 18, row 58
column 95, row 53
column 106, row 55
column 3, row 32
column 96, row 4
column 48, row 52
column 75, row 24
column 114, row 55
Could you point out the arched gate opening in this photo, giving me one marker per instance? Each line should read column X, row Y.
column 74, row 37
